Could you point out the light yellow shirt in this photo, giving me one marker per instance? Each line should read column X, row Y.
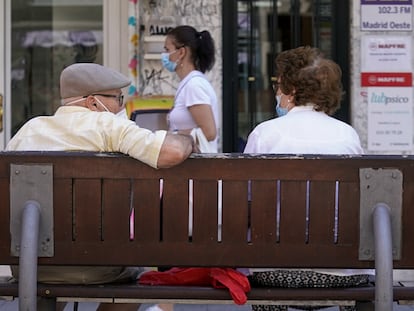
column 75, row 128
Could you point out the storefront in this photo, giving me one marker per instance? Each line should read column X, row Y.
column 254, row 32
column 40, row 37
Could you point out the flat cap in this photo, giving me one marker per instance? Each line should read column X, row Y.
column 82, row 79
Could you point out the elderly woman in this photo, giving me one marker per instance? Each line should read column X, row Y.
column 308, row 92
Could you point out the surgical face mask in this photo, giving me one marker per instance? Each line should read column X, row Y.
column 280, row 110
column 74, row 101
column 122, row 114
column 167, row 63
column 101, row 103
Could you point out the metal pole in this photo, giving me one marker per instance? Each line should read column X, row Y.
column 383, row 257
column 28, row 256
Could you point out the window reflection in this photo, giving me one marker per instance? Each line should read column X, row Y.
column 264, row 29
column 47, row 36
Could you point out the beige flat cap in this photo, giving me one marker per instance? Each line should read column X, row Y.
column 82, row 79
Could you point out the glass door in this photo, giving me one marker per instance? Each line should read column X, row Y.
column 3, row 69
column 256, row 46
column 254, row 31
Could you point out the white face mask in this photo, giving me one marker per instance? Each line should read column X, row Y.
column 122, row 114
column 101, row 103
column 74, row 101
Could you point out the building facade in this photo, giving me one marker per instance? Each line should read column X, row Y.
column 38, row 38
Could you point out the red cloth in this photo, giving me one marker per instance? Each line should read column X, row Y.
column 236, row 282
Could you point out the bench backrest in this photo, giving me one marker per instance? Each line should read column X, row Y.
column 247, row 211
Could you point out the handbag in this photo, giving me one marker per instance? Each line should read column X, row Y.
column 201, row 141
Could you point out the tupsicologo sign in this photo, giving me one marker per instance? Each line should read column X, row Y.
column 381, row 98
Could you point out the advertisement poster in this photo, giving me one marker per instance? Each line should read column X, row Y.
column 386, row 53
column 386, row 15
column 390, row 116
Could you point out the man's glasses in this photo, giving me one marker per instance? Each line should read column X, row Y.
column 119, row 98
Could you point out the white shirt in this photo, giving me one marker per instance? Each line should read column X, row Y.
column 304, row 131
column 78, row 128
column 194, row 89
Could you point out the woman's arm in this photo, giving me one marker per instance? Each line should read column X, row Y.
column 203, row 116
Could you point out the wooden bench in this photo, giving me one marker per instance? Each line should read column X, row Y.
column 247, row 211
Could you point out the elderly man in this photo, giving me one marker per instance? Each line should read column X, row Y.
column 88, row 119
column 93, row 118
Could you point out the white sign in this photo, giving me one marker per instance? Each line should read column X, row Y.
column 386, row 54
column 390, row 118
column 386, row 15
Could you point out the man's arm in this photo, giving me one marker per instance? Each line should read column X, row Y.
column 175, row 149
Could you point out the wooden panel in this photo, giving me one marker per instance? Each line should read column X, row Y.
column 322, row 213
column 168, row 244
column 116, row 207
column 348, row 225
column 62, row 215
column 263, row 211
column 4, row 218
column 87, row 210
column 292, row 212
column 205, row 209
column 407, row 229
column 147, row 204
column 175, row 210
column 235, row 212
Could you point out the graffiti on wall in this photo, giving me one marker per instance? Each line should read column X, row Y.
column 157, row 17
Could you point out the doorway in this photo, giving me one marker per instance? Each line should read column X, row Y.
column 251, row 41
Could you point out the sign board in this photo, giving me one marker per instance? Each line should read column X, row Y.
column 380, row 53
column 386, row 15
column 390, row 115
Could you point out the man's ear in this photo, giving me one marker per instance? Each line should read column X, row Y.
column 91, row 103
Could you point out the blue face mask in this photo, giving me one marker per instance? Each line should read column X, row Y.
column 280, row 110
column 167, row 63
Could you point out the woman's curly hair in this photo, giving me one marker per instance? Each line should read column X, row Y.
column 305, row 74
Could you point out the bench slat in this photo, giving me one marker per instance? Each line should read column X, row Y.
column 175, row 210
column 116, row 209
column 147, row 210
column 292, row 212
column 348, row 227
column 263, row 213
column 235, row 213
column 322, row 211
column 86, row 218
column 205, row 212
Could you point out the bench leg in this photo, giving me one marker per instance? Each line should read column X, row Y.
column 28, row 256
column 383, row 258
